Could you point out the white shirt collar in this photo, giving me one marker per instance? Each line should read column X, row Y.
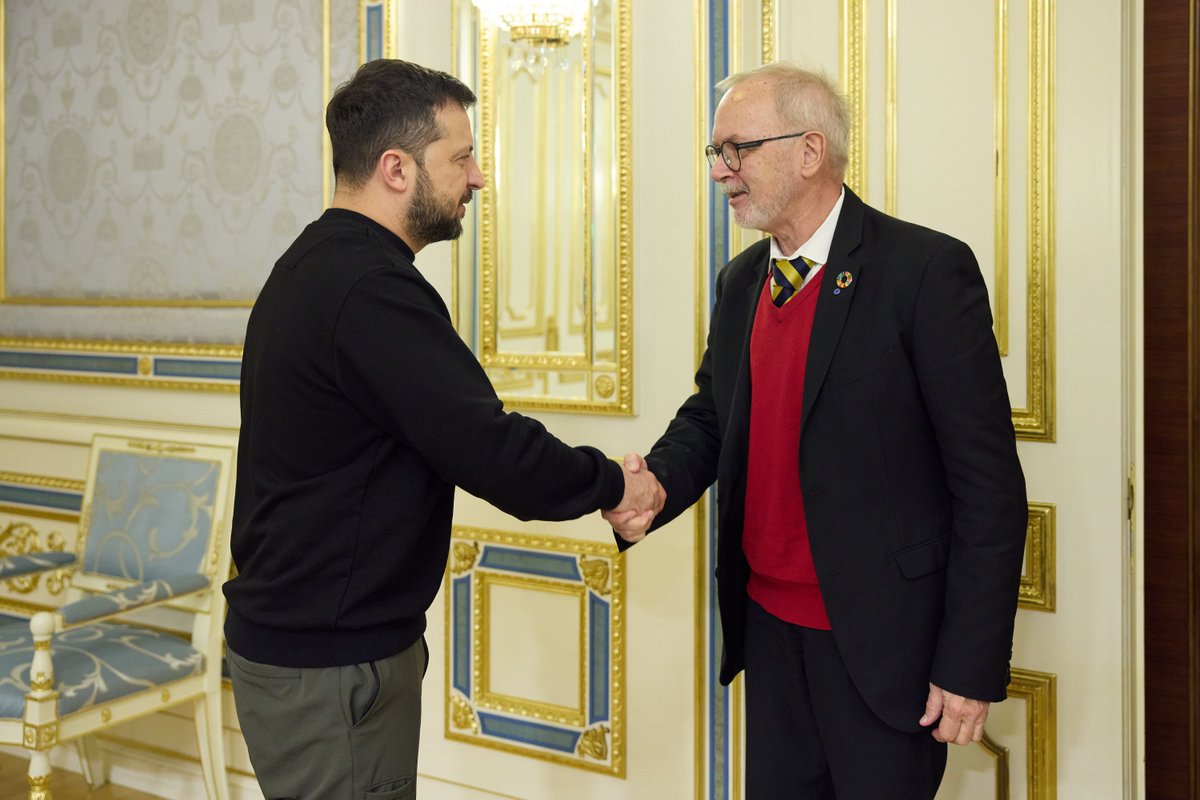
column 816, row 249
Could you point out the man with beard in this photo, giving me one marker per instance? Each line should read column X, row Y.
column 871, row 508
column 361, row 410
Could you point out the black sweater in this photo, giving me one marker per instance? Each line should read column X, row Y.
column 361, row 410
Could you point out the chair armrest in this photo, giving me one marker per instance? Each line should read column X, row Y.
column 33, row 563
column 140, row 595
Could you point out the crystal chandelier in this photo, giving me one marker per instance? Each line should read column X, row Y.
column 537, row 23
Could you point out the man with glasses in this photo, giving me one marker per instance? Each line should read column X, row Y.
column 871, row 508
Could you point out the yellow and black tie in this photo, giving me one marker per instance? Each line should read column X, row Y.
column 787, row 277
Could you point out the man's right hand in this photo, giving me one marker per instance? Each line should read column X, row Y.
column 644, row 498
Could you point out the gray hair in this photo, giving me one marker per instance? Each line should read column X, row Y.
column 806, row 100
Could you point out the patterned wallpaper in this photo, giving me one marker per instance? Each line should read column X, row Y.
column 159, row 155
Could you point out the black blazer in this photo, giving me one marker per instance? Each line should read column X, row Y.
column 913, row 493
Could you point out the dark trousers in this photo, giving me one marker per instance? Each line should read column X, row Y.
column 333, row 733
column 811, row 736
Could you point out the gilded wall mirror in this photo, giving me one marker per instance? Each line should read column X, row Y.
column 542, row 288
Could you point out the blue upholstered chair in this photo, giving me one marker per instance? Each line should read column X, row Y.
column 153, row 548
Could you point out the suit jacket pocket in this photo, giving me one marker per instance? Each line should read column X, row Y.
column 923, row 558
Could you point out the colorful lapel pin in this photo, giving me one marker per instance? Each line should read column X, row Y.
column 843, row 280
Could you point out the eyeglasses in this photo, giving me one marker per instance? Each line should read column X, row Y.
column 731, row 152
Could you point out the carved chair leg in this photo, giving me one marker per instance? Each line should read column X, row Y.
column 39, row 776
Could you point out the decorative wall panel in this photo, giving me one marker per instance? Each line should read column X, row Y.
column 554, row 690
column 158, row 156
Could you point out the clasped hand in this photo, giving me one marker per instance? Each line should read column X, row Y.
column 644, row 498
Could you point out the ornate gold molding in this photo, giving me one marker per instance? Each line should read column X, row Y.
column 483, row 694
column 595, row 573
column 40, row 737
column 1037, row 590
column 42, row 481
column 607, row 375
column 1039, row 690
column 770, row 35
column 589, row 736
column 462, row 715
column 463, row 557
column 594, row 743
column 852, row 55
column 1037, row 420
column 21, row 538
column 999, row 754
column 388, row 11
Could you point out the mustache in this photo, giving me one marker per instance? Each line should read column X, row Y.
column 466, row 198
column 729, row 187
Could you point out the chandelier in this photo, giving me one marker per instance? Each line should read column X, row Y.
column 537, row 23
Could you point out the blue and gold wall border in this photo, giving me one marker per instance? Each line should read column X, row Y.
column 376, row 30
column 589, row 732
column 162, row 366
column 718, row 774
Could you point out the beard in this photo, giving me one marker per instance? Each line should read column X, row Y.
column 429, row 220
column 757, row 213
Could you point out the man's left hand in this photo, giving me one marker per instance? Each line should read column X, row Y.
column 962, row 717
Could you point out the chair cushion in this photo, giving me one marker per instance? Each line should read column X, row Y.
column 94, row 664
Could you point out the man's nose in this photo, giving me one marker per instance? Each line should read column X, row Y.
column 720, row 170
column 475, row 176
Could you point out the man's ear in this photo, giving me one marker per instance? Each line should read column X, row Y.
column 397, row 168
column 812, row 157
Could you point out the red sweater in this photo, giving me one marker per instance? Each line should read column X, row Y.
column 775, row 538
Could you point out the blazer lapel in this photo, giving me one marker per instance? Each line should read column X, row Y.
column 839, row 279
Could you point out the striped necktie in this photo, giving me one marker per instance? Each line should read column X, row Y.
column 787, row 277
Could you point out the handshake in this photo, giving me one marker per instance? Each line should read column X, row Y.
column 644, row 498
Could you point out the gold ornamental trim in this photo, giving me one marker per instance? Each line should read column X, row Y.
column 1038, row 581
column 594, row 743
column 999, row 756
column 852, row 54
column 463, row 557
column 595, row 573
column 168, row 448
column 461, row 719
column 462, row 715
column 1039, row 690
column 42, row 481
column 1036, row 422
column 40, row 737
column 21, row 538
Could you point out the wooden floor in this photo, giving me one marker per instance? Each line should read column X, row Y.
column 64, row 785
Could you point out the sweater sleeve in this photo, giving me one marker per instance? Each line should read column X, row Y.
column 404, row 366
